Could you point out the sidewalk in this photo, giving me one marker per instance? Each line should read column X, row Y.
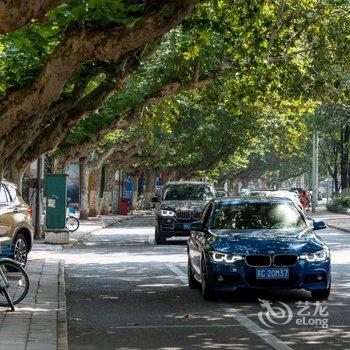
column 337, row 221
column 40, row 320
column 90, row 225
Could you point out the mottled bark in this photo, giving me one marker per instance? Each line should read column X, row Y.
column 15, row 14
column 16, row 177
column 135, row 191
column 150, row 176
column 84, row 190
column 107, row 200
column 84, row 44
column 94, row 192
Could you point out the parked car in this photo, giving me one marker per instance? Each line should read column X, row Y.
column 16, row 229
column 279, row 194
column 251, row 242
column 180, row 204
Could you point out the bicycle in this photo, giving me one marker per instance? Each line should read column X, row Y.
column 14, row 283
column 72, row 223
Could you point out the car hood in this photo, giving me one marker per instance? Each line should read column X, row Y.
column 245, row 242
column 183, row 205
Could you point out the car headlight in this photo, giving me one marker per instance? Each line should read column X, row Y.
column 222, row 257
column 321, row 255
column 166, row 213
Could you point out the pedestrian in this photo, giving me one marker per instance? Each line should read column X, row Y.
column 304, row 199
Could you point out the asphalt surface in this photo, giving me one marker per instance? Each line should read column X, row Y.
column 124, row 292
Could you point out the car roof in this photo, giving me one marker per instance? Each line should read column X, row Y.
column 244, row 199
column 188, row 183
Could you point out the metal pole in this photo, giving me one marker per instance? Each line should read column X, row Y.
column 316, row 174
column 38, row 204
column 313, row 178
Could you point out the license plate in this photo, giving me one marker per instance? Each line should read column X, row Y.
column 187, row 226
column 272, row 274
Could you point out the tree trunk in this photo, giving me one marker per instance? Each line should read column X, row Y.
column 84, row 190
column 106, row 204
column 94, row 192
column 135, row 191
column 16, row 176
column 150, row 176
column 344, row 162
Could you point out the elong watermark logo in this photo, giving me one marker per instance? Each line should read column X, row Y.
column 308, row 314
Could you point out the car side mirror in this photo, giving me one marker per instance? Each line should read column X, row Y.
column 197, row 226
column 319, row 225
column 155, row 199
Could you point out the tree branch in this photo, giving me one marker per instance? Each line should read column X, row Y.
column 80, row 46
column 15, row 14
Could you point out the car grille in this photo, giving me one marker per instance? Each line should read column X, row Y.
column 285, row 260
column 258, row 260
column 184, row 215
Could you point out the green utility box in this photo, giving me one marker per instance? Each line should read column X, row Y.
column 56, row 201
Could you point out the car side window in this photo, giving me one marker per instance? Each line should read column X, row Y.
column 12, row 191
column 206, row 214
column 3, row 197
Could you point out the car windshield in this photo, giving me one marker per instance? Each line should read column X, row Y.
column 257, row 216
column 187, row 192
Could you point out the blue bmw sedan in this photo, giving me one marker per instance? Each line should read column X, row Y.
column 251, row 242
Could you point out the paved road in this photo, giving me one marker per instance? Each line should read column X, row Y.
column 123, row 292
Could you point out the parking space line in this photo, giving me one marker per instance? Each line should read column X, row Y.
column 262, row 333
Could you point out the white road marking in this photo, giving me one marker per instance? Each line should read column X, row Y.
column 262, row 333
column 179, row 273
column 178, row 326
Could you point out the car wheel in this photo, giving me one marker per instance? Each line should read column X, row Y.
column 207, row 292
column 20, row 250
column 159, row 238
column 322, row 294
column 192, row 282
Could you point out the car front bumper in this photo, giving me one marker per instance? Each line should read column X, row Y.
column 302, row 275
column 170, row 227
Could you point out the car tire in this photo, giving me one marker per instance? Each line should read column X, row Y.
column 192, row 282
column 322, row 294
column 20, row 250
column 159, row 238
column 207, row 292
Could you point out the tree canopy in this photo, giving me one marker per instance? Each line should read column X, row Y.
column 208, row 87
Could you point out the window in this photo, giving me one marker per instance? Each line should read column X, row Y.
column 188, row 192
column 3, row 196
column 249, row 216
column 12, row 191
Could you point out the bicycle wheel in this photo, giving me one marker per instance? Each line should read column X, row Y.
column 72, row 223
column 17, row 282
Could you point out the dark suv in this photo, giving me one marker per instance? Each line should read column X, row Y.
column 180, row 204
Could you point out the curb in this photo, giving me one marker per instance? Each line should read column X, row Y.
column 85, row 235
column 62, row 331
column 338, row 228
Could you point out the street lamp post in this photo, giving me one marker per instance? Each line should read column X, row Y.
column 314, row 170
